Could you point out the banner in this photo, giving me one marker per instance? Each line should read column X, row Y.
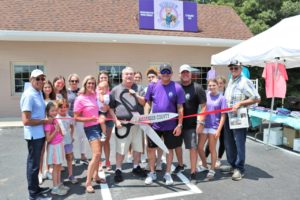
column 168, row 15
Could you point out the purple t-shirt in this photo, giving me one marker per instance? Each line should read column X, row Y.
column 216, row 102
column 165, row 99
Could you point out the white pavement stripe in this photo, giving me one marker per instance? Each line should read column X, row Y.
column 186, row 181
column 164, row 196
column 105, row 192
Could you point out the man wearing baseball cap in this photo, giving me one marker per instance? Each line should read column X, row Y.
column 33, row 116
column 239, row 93
column 165, row 96
column 195, row 99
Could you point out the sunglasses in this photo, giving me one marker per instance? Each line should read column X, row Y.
column 165, row 71
column 74, row 81
column 234, row 68
column 40, row 79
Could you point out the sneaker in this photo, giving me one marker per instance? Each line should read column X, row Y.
column 201, row 168
column 168, row 179
column 218, row 164
column 158, row 166
column 103, row 137
column 178, row 169
column 193, row 177
column 48, row 175
column 226, row 169
column 58, row 191
column 118, row 176
column 138, row 171
column 211, row 174
column 40, row 176
column 63, row 187
column 150, row 178
column 43, row 190
column 73, row 180
column 237, row 175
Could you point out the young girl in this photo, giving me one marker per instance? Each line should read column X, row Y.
column 103, row 101
column 55, row 138
column 213, row 126
column 60, row 89
column 66, row 125
column 48, row 95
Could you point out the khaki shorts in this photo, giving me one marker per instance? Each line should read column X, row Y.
column 135, row 138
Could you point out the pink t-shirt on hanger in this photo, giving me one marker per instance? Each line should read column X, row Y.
column 275, row 79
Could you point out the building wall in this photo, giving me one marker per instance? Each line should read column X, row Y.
column 84, row 58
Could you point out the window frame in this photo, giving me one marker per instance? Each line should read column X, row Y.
column 13, row 64
column 99, row 64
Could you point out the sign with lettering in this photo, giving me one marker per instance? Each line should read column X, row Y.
column 168, row 15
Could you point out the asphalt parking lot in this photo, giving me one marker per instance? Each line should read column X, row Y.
column 271, row 174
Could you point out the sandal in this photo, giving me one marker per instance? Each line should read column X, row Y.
column 90, row 189
column 210, row 174
column 99, row 180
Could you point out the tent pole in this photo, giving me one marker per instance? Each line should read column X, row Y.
column 269, row 125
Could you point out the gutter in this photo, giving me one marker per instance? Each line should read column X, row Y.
column 44, row 36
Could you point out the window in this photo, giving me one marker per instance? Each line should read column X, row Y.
column 200, row 75
column 115, row 72
column 21, row 75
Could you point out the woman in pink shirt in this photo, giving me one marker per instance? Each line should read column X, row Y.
column 86, row 111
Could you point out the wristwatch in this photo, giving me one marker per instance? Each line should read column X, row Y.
column 200, row 122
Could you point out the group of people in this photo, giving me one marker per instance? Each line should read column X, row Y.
column 57, row 115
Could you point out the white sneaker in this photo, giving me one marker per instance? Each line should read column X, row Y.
column 168, row 179
column 218, row 164
column 40, row 178
column 200, row 168
column 150, row 178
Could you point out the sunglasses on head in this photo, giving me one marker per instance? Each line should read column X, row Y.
column 40, row 79
column 233, row 68
column 165, row 71
column 74, row 81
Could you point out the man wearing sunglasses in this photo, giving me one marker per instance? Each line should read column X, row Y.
column 165, row 96
column 33, row 116
column 239, row 93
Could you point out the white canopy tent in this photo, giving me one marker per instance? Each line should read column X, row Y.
column 282, row 40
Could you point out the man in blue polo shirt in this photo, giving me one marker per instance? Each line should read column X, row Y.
column 33, row 116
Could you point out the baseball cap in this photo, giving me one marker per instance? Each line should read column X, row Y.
column 37, row 72
column 185, row 67
column 234, row 63
column 165, row 67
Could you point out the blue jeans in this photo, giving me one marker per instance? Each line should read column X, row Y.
column 33, row 164
column 235, row 145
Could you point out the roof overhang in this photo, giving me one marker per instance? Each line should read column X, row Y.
column 43, row 36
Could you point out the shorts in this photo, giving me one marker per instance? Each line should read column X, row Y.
column 135, row 138
column 55, row 154
column 109, row 124
column 68, row 148
column 93, row 132
column 170, row 140
column 190, row 138
column 209, row 131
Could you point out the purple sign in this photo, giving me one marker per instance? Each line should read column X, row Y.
column 168, row 15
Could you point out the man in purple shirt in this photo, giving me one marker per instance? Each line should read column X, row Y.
column 165, row 96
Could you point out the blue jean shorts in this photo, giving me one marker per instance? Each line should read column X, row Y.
column 93, row 132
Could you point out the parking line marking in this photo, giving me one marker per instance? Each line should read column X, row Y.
column 164, row 196
column 105, row 192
